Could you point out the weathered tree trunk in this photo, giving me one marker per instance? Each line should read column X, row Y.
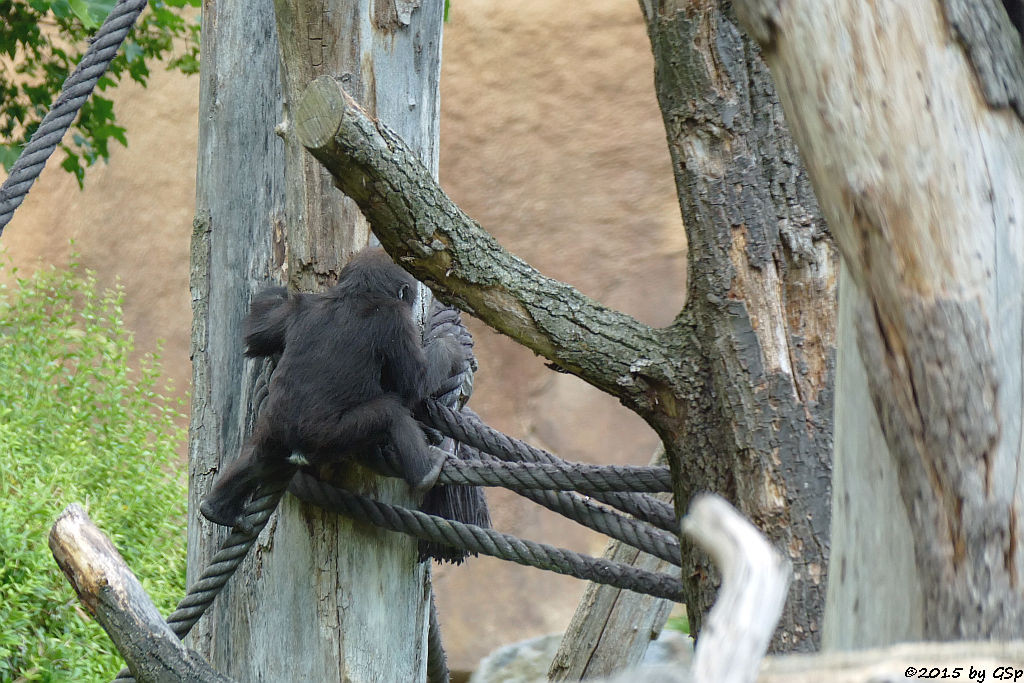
column 908, row 114
column 870, row 603
column 756, row 425
column 320, row 598
column 239, row 204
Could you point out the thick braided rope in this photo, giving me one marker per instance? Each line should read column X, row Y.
column 633, row 532
column 222, row 566
column 563, row 476
column 640, row 535
column 466, row 429
column 485, row 541
column 636, row 533
column 74, row 93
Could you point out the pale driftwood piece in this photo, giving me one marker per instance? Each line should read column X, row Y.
column 611, row 628
column 920, row 177
column 110, row 592
column 755, row 578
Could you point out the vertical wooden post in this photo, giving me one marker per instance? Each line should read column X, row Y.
column 320, row 598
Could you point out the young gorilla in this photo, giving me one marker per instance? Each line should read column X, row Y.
column 351, row 369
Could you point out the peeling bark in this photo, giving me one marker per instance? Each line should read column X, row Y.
column 761, row 303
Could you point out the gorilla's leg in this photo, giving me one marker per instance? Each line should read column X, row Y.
column 384, row 420
column 263, row 458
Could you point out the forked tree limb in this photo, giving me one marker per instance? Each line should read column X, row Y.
column 111, row 593
column 428, row 234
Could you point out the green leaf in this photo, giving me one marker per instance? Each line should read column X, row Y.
column 167, row 34
column 8, row 155
column 61, row 9
column 81, row 8
column 73, row 164
column 132, row 51
column 100, row 9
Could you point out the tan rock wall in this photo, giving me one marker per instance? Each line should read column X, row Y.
column 551, row 138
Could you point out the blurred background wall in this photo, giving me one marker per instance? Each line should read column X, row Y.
column 552, row 139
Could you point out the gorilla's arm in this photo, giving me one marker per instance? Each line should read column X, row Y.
column 267, row 323
column 445, row 357
column 403, row 363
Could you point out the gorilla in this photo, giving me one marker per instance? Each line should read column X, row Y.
column 351, row 370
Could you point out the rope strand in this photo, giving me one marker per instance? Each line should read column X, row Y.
column 468, row 429
column 485, row 541
column 75, row 91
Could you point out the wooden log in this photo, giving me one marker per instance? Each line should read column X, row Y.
column 907, row 114
column 111, row 593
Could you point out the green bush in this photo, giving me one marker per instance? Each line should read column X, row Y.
column 77, row 424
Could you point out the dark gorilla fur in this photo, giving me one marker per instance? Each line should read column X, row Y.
column 351, row 369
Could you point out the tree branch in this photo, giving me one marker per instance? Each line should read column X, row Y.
column 108, row 589
column 423, row 229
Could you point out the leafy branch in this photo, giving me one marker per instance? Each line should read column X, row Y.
column 41, row 41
